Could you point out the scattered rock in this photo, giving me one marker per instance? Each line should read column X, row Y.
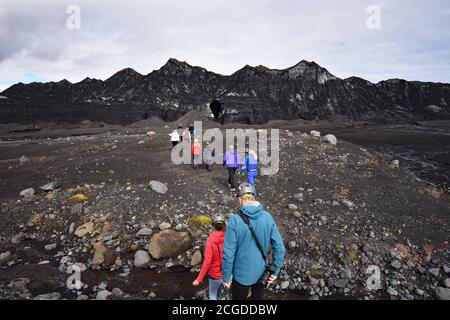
column 331, row 139
column 341, row 283
column 50, row 186
column 292, row 244
column 84, row 230
column 292, row 206
column 50, row 247
column 392, row 292
column 434, row 272
column 49, row 296
column 99, row 253
column 165, row 226
column 27, row 193
column 446, row 282
column 315, row 133
column 77, row 208
column 103, row 295
column 141, row 258
column 443, row 293
column 196, row 258
column 396, row 264
column 284, row 285
column 158, row 187
column 144, row 232
column 4, row 255
column 168, row 244
column 23, row 159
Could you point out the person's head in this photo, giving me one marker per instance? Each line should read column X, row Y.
column 246, row 194
column 195, row 140
column 231, row 147
column 218, row 222
column 180, row 126
column 207, row 143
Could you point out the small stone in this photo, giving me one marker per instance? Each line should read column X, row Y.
column 196, row 258
column 144, row 232
column 201, row 204
column 50, row 186
column 396, row 264
column 50, row 247
column 99, row 253
column 292, row 244
column 372, row 234
column 447, row 282
column 341, row 283
column 141, row 258
column 27, row 193
column 315, row 133
column 49, row 296
column 347, row 203
column 165, row 226
column 434, row 272
column 391, row 291
column 292, row 206
column 419, row 292
column 84, row 230
column 158, row 187
column 331, row 139
column 82, row 297
column 446, row 269
column 23, row 159
column 77, row 208
column 103, row 295
column 4, row 255
column 443, row 293
column 284, row 285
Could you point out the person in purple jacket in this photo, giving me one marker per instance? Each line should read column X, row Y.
column 231, row 160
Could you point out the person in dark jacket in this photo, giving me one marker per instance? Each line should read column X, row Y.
column 243, row 263
column 231, row 161
column 212, row 264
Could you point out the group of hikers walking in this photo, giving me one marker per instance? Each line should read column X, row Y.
column 236, row 252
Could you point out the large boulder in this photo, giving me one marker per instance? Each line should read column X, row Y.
column 158, row 186
column 168, row 244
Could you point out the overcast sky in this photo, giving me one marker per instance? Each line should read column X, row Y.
column 35, row 44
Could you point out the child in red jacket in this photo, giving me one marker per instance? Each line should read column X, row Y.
column 212, row 265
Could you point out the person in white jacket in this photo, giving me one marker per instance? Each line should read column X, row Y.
column 174, row 137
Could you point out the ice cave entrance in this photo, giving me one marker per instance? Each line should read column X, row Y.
column 216, row 108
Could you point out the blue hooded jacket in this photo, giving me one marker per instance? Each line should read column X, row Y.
column 242, row 259
column 250, row 165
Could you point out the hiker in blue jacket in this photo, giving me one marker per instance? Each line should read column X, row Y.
column 251, row 168
column 244, row 264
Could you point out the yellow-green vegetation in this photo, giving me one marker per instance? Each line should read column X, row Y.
column 78, row 197
column 200, row 221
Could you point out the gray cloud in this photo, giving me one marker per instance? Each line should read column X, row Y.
column 413, row 43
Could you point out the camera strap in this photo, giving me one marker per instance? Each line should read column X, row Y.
column 247, row 222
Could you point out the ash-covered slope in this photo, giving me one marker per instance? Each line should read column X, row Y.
column 250, row 95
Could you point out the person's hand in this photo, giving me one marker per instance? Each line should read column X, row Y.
column 272, row 278
column 195, row 283
column 227, row 285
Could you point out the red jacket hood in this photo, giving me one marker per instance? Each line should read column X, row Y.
column 217, row 237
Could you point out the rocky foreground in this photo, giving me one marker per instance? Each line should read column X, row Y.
column 114, row 207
